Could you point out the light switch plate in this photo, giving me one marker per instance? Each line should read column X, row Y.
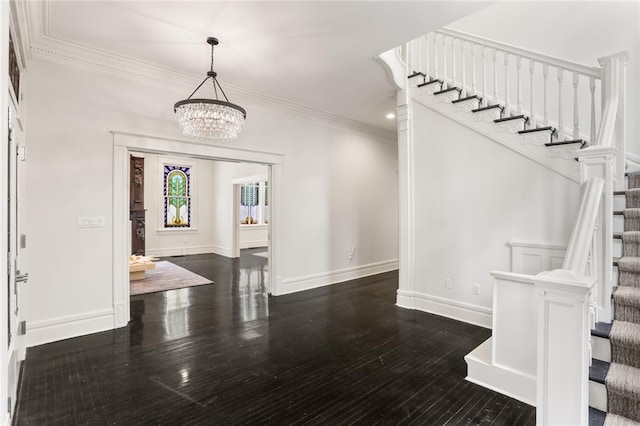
column 90, row 222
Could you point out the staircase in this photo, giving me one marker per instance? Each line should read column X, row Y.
column 583, row 364
column 614, row 376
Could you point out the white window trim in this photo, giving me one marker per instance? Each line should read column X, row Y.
column 182, row 162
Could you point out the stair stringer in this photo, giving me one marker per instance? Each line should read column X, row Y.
column 525, row 145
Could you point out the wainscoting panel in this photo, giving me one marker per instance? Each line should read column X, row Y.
column 532, row 258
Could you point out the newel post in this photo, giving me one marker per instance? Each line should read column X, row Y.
column 563, row 347
column 600, row 161
column 614, row 91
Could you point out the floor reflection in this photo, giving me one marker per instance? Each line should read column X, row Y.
column 176, row 313
column 249, row 294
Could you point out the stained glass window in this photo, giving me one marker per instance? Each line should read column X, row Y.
column 250, row 203
column 177, row 196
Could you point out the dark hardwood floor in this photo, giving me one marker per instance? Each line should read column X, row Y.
column 227, row 353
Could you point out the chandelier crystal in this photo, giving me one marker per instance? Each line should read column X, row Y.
column 210, row 118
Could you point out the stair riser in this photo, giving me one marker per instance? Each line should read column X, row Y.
column 617, row 248
column 597, row 396
column 601, row 348
column 619, row 202
column 627, row 313
column 618, row 223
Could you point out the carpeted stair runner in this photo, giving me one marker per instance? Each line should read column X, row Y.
column 623, row 378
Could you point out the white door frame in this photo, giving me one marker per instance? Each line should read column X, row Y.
column 123, row 143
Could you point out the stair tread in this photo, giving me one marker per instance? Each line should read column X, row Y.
column 598, row 371
column 627, row 295
column 426, row 83
column 602, row 329
column 613, row 419
column 619, row 235
column 629, row 264
column 619, row 192
column 514, row 117
column 416, row 74
column 488, row 107
column 623, row 380
column 625, row 334
column 450, row 89
column 580, row 141
column 596, row 417
column 616, row 261
column 538, row 129
column 618, row 212
column 468, row 98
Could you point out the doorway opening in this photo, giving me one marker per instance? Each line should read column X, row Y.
column 197, row 223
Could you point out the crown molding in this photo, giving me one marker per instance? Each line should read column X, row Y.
column 48, row 47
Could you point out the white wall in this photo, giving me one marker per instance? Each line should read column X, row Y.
column 577, row 31
column 472, row 196
column 346, row 173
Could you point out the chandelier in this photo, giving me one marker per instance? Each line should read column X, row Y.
column 210, row 118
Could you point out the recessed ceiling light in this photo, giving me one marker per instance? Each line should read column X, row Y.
column 391, row 116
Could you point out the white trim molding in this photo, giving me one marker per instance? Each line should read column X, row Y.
column 461, row 311
column 512, row 383
column 65, row 327
column 307, row 282
column 187, row 250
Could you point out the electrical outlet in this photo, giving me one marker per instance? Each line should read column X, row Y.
column 476, row 289
column 448, row 283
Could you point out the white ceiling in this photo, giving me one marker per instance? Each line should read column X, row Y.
column 317, row 54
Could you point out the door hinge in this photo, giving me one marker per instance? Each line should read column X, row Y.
column 9, row 406
column 22, row 328
column 9, row 269
column 23, row 241
column 22, row 153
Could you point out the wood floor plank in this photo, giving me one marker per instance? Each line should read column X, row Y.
column 228, row 353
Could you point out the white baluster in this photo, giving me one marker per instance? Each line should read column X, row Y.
column 576, row 118
column 495, row 76
column 592, row 89
column 444, row 62
column 454, row 82
column 427, row 51
column 435, row 56
column 545, row 74
column 507, row 108
column 473, row 69
column 463, row 94
column 484, row 76
column 532, row 112
column 560, row 106
column 420, row 47
column 518, row 94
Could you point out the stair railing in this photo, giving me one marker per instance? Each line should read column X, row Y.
column 570, row 299
column 493, row 71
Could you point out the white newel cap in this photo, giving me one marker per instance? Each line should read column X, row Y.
column 596, row 151
column 564, row 280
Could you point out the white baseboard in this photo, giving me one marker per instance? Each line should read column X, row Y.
column 51, row 330
column 461, row 311
column 292, row 285
column 514, row 384
column 254, row 244
column 185, row 251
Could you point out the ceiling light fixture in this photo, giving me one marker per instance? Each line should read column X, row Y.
column 210, row 118
column 391, row 116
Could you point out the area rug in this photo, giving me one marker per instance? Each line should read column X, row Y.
column 262, row 254
column 167, row 276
